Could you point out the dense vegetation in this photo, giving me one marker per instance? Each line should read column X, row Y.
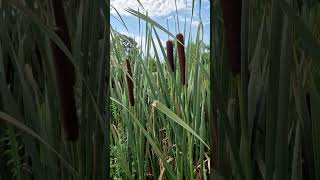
column 261, row 121
column 147, row 130
column 53, row 132
column 245, row 108
column 267, row 122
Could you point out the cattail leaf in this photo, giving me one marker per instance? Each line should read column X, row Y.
column 149, row 20
column 310, row 42
column 282, row 147
column 296, row 165
column 273, row 87
column 149, row 138
column 304, row 119
column 27, row 130
column 315, row 114
column 161, row 75
column 177, row 119
column 255, row 86
column 122, row 21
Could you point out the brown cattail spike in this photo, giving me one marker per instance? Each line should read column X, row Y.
column 65, row 75
column 231, row 11
column 130, row 83
column 182, row 58
column 170, row 54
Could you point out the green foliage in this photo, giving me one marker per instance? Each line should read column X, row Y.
column 117, row 151
column 11, row 151
column 28, row 89
column 266, row 119
column 166, row 129
column 259, row 127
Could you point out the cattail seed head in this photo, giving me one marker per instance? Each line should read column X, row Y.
column 182, row 58
column 170, row 54
column 65, row 75
column 130, row 83
column 231, row 11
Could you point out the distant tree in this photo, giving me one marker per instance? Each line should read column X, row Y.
column 129, row 45
column 204, row 49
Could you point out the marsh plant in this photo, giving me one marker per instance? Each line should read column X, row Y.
column 54, row 59
column 244, row 106
column 167, row 126
column 248, row 113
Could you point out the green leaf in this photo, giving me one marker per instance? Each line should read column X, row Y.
column 177, row 119
column 5, row 117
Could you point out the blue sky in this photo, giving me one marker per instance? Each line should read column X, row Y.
column 163, row 12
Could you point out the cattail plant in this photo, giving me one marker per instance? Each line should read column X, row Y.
column 65, row 75
column 181, row 155
column 182, row 58
column 130, row 83
column 170, row 54
column 38, row 91
column 231, row 11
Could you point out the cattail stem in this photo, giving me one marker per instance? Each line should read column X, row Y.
column 130, row 83
column 170, row 54
column 231, row 11
column 214, row 144
column 65, row 75
column 182, row 58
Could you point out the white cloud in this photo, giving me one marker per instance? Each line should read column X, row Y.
column 195, row 23
column 153, row 7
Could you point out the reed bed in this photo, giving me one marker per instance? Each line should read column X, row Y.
column 257, row 123
column 53, row 90
column 246, row 108
column 166, row 132
column 263, row 122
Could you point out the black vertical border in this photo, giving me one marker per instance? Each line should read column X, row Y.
column 212, row 106
column 108, row 114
